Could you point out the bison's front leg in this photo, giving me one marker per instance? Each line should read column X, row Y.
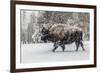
column 55, row 47
column 63, row 47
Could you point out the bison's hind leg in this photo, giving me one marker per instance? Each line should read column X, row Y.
column 81, row 43
column 77, row 45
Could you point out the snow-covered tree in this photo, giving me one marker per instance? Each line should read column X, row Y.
column 32, row 22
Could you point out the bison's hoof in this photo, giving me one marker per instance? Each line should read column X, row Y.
column 63, row 50
column 76, row 50
column 53, row 50
column 83, row 49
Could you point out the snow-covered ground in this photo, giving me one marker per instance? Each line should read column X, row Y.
column 42, row 52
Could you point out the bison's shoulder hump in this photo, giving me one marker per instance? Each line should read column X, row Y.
column 56, row 26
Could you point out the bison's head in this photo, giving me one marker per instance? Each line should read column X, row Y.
column 45, row 33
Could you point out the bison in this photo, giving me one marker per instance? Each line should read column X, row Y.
column 61, row 37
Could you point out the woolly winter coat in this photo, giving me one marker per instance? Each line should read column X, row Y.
column 57, row 30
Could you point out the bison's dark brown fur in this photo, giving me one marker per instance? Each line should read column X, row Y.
column 61, row 37
column 58, row 31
